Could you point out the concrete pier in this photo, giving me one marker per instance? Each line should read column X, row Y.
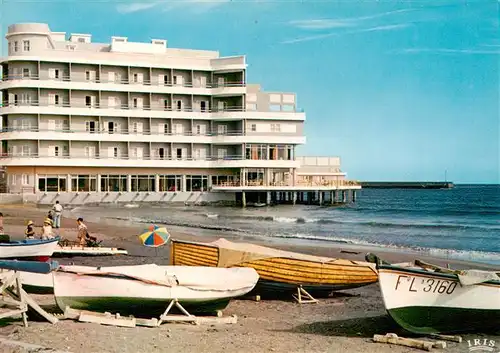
column 246, row 198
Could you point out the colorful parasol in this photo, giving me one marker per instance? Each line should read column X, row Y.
column 154, row 236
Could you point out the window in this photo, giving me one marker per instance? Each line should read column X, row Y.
column 84, row 183
column 115, row 152
column 253, row 127
column 275, row 128
column 71, row 47
column 56, row 151
column 16, row 46
column 88, row 101
column 90, row 151
column 203, row 106
column 113, row 183
column 52, row 183
column 87, row 75
column 90, row 126
column 135, row 103
column 142, row 183
column 26, row 45
column 251, row 106
column 221, row 129
column 81, row 40
column 26, row 72
column 25, row 151
column 56, row 73
column 165, row 129
column 170, row 183
column 196, row 183
column 179, row 105
column 26, row 98
column 275, row 107
column 56, row 99
column 25, row 179
column 256, row 152
column 136, row 78
column 175, row 78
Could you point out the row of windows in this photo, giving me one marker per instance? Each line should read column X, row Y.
column 118, row 183
column 15, row 46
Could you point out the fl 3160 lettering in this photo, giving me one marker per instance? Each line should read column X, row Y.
column 428, row 285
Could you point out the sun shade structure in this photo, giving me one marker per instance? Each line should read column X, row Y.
column 154, row 236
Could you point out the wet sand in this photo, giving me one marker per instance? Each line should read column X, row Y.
column 345, row 321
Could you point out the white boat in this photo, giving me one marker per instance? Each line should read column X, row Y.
column 28, row 248
column 148, row 289
column 77, row 250
column 39, row 283
column 429, row 299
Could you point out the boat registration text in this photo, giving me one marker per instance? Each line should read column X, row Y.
column 427, row 285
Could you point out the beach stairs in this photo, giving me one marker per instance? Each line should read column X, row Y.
column 131, row 321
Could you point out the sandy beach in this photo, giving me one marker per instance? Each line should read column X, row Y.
column 346, row 321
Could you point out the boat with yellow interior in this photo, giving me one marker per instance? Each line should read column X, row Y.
column 279, row 270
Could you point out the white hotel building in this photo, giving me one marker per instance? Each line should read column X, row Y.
column 124, row 121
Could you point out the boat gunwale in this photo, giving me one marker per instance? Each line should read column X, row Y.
column 352, row 263
column 31, row 243
column 422, row 272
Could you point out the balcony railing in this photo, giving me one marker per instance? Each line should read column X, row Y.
column 122, row 132
column 124, row 81
column 122, row 156
column 330, row 183
column 121, row 107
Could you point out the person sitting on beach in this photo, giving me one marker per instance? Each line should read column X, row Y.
column 30, row 231
column 1, row 223
column 47, row 232
column 82, row 232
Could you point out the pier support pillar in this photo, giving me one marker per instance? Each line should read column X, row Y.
column 344, row 196
column 294, row 197
column 320, row 198
column 268, row 198
column 354, row 196
column 243, row 199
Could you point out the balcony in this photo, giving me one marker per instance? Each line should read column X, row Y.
column 123, row 85
column 228, row 113
column 260, row 185
column 72, row 160
column 228, row 138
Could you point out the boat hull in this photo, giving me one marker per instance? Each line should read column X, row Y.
column 69, row 251
column 282, row 274
column 28, row 249
column 425, row 302
column 200, row 290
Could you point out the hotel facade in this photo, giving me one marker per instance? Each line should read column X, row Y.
column 124, row 121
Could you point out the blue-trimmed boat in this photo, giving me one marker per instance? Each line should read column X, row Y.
column 29, row 248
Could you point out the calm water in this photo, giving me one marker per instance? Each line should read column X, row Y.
column 461, row 223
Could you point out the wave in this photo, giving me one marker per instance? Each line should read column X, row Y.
column 467, row 210
column 378, row 224
column 181, row 224
column 466, row 255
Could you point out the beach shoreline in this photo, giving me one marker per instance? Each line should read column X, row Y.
column 346, row 321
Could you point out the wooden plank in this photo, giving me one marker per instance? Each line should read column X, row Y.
column 110, row 320
column 34, row 305
column 178, row 318
column 29, row 266
column 217, row 320
column 392, row 338
column 147, row 322
column 457, row 339
column 13, row 313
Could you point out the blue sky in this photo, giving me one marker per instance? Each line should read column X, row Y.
column 400, row 90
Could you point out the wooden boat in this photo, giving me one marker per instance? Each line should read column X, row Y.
column 278, row 270
column 31, row 248
column 28, row 266
column 426, row 299
column 77, row 250
column 148, row 289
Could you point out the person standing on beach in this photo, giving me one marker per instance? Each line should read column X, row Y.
column 57, row 214
column 82, row 232
column 1, row 223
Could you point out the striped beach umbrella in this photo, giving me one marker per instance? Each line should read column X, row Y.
column 154, row 236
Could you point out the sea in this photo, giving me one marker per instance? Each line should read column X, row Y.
column 461, row 223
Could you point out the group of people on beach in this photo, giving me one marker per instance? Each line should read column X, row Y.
column 53, row 220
